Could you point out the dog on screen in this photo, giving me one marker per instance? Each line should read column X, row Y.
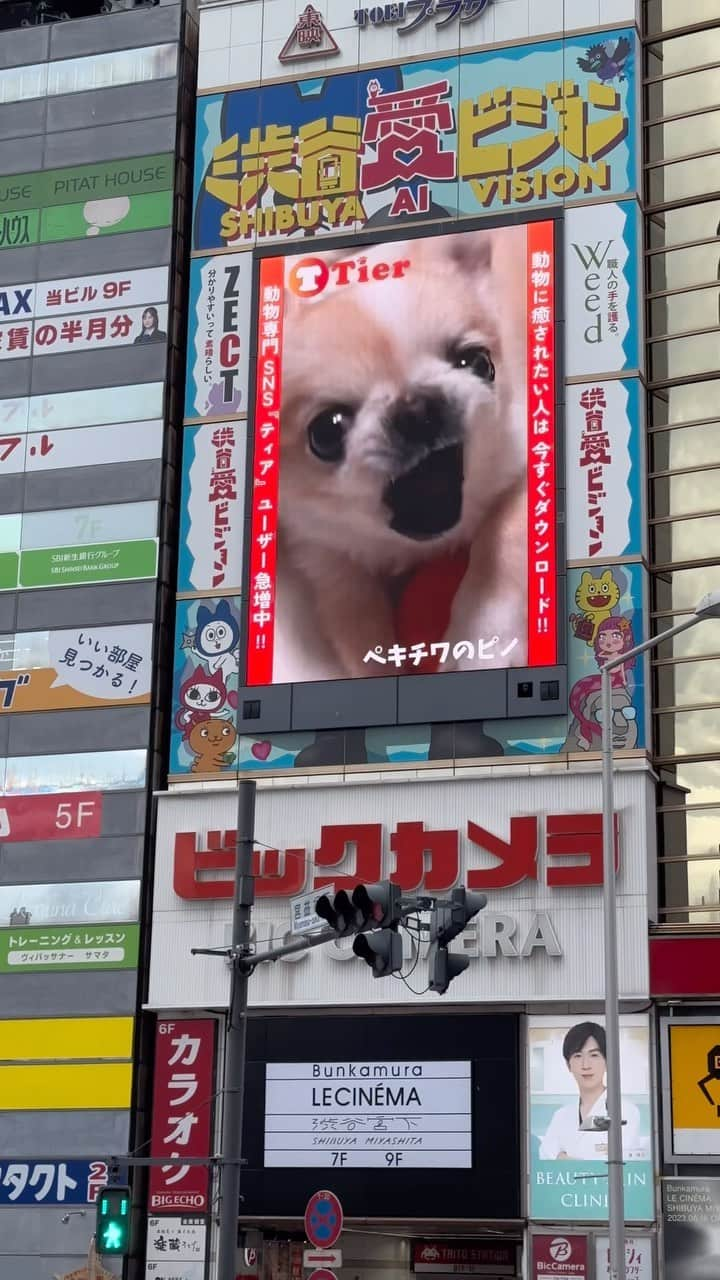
column 403, row 443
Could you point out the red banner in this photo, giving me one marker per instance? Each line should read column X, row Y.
column 266, row 463
column 542, row 514
column 559, row 1255
column 75, row 815
column 182, row 1114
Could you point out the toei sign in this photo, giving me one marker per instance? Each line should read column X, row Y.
column 411, row 855
column 404, row 469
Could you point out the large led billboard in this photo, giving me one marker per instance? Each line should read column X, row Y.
column 404, row 508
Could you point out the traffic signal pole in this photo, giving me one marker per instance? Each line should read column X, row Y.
column 236, row 1036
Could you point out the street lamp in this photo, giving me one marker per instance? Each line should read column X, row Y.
column 708, row 607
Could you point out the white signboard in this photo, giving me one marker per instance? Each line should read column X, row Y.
column 638, row 1258
column 97, row 902
column 532, row 843
column 175, row 1248
column 360, row 1115
column 80, row 447
column 603, row 444
column 303, row 917
column 603, row 320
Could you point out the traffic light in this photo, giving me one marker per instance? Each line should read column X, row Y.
column 112, row 1227
column 382, row 950
column 447, row 920
column 373, row 906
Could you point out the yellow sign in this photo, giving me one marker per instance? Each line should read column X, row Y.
column 694, row 1057
column 66, row 1064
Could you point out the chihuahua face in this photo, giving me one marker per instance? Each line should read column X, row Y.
column 400, row 424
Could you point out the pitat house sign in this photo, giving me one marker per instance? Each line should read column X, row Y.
column 415, row 13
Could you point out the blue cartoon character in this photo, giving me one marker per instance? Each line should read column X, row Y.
column 216, row 639
column 607, row 61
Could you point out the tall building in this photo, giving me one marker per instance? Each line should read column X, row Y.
column 399, row 425
column 94, row 159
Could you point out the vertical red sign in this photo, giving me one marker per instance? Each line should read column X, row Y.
column 182, row 1114
column 559, row 1255
column 266, row 465
column 542, row 513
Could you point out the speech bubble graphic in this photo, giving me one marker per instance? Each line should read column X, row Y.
column 100, row 214
column 108, row 663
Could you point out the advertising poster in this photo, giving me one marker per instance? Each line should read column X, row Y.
column 603, row 321
column 64, row 566
column 485, row 132
column 604, row 441
column 205, row 685
column 69, row 949
column 568, row 1163
column 691, row 1052
column 118, row 328
column 403, row 511
column 60, row 905
column 212, row 507
column 52, row 1182
column 176, row 1248
column 691, row 1228
column 182, row 1115
column 605, row 619
column 218, row 336
column 556, row 1255
column 84, row 667
column 83, row 447
column 85, row 200
column 638, row 1258
column 75, row 816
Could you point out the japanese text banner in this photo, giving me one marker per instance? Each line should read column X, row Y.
column 524, row 127
column 182, row 1113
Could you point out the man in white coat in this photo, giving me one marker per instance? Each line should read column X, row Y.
column 585, row 1054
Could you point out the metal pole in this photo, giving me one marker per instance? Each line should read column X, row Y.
column 616, row 1203
column 236, row 1036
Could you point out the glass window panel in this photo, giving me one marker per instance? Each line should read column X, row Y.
column 10, row 527
column 96, row 408
column 691, row 834
column 691, row 783
column 680, row 589
column 688, row 733
column 79, row 526
column 19, row 83
column 686, row 178
column 696, row 49
column 666, row 15
column 679, row 226
column 680, row 268
column 683, row 93
column 699, row 640
column 685, row 137
column 31, row 649
column 689, row 403
column 682, row 357
column 82, row 771
column 688, row 684
column 7, row 648
column 681, row 495
column 683, row 312
column 685, row 447
column 75, row 75
column 683, row 540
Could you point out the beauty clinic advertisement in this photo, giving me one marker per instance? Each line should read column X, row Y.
column 403, row 511
column 568, row 1149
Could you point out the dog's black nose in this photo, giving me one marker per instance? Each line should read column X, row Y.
column 419, row 417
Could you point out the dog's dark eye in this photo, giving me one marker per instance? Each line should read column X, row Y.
column 326, row 433
column 477, row 360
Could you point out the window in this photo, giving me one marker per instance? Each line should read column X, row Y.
column 81, row 771
column 75, row 75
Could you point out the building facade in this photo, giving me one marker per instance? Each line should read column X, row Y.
column 94, row 138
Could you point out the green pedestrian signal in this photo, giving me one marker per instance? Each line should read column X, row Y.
column 112, row 1229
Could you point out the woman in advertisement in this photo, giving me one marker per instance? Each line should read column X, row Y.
column 571, row 1134
column 150, row 331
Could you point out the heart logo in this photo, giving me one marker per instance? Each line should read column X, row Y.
column 261, row 750
column 406, row 157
